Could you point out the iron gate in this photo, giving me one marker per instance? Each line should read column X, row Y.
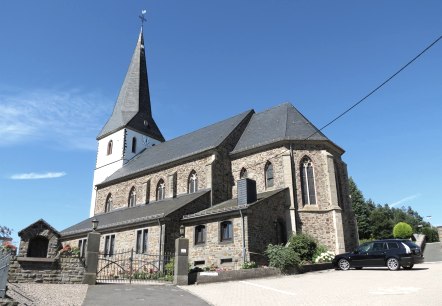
column 127, row 267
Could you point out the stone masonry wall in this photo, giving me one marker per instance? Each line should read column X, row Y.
column 319, row 224
column 214, row 250
column 38, row 229
column 65, row 270
column 264, row 219
column 439, row 230
column 255, row 166
column 120, row 191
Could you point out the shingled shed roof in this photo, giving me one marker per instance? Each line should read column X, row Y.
column 230, row 205
column 181, row 147
column 279, row 123
column 132, row 108
column 131, row 216
column 43, row 224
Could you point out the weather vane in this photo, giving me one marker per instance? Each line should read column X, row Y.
column 143, row 12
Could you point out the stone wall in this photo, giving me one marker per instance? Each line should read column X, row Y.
column 266, row 224
column 259, row 231
column 320, row 225
column 65, row 270
column 146, row 185
column 38, row 229
column 213, row 250
column 255, row 166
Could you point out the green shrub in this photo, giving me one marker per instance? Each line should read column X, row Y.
column 402, row 230
column 282, row 257
column 304, row 245
column 431, row 234
column 249, row 265
column 320, row 249
column 170, row 267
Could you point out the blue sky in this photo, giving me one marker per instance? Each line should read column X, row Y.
column 62, row 64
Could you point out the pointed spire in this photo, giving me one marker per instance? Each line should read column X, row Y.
column 132, row 108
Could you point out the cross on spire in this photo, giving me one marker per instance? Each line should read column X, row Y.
column 143, row 12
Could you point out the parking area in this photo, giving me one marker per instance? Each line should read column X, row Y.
column 419, row 286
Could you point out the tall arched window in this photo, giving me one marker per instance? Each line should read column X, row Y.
column 308, row 182
column 161, row 190
column 109, row 147
column 269, row 174
column 193, row 182
column 134, row 144
column 243, row 173
column 132, row 197
column 108, row 205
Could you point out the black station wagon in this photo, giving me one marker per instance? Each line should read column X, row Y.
column 392, row 253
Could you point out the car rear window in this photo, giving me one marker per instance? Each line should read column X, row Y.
column 411, row 244
column 393, row 245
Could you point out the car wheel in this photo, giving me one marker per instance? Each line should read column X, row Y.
column 358, row 268
column 343, row 264
column 408, row 267
column 393, row 264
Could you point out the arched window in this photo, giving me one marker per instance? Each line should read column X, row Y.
column 269, row 174
column 161, row 190
column 226, row 231
column 243, row 173
column 109, row 147
column 108, row 205
column 134, row 144
column 308, row 182
column 193, row 182
column 200, row 234
column 132, row 197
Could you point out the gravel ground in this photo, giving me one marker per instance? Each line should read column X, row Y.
column 47, row 294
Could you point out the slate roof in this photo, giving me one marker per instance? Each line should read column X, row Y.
column 230, row 205
column 282, row 122
column 39, row 221
column 132, row 108
column 130, row 216
column 181, row 147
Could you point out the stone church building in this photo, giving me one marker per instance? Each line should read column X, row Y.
column 236, row 185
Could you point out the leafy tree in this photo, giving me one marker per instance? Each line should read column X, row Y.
column 5, row 231
column 431, row 234
column 361, row 209
column 381, row 219
column 402, row 230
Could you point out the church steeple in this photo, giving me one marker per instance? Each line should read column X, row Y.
column 132, row 109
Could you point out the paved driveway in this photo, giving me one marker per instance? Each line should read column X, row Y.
column 419, row 286
column 134, row 295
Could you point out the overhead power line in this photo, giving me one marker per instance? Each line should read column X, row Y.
column 379, row 87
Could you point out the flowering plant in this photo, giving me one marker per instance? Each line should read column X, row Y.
column 325, row 257
column 8, row 246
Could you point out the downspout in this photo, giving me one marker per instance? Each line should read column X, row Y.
column 159, row 244
column 243, row 237
column 295, row 195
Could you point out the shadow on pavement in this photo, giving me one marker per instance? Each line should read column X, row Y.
column 124, row 294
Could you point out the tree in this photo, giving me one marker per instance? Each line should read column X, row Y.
column 431, row 234
column 5, row 232
column 361, row 209
column 381, row 219
column 402, row 230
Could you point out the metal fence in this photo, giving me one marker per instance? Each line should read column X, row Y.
column 127, row 267
column 5, row 257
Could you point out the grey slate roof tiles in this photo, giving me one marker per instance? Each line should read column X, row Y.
column 282, row 122
column 187, row 145
column 230, row 205
column 132, row 108
column 134, row 215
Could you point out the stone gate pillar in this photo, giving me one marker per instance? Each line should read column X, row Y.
column 93, row 246
column 181, row 269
